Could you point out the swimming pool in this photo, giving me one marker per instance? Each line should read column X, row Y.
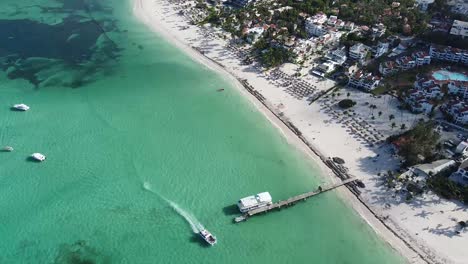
column 443, row 75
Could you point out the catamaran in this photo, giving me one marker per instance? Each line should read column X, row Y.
column 208, row 237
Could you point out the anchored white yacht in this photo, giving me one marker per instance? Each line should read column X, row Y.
column 21, row 107
column 255, row 201
column 38, row 156
column 7, row 148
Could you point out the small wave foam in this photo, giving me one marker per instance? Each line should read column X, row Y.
column 188, row 216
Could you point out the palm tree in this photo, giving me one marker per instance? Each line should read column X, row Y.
column 380, row 113
column 391, row 117
column 403, row 126
column 393, row 125
column 348, row 94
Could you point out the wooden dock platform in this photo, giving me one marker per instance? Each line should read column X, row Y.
column 291, row 201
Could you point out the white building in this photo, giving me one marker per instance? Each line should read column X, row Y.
column 423, row 5
column 432, row 168
column 242, row 3
column 462, row 148
column 419, row 104
column 421, row 58
column 388, row 67
column 303, row 47
column 459, row 88
column 378, row 30
column 459, row 28
column 462, row 117
column 463, row 169
column 358, row 52
column 381, row 49
column 314, row 29
column 363, row 81
column 337, row 56
column 447, row 53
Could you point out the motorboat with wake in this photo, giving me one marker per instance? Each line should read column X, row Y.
column 208, row 237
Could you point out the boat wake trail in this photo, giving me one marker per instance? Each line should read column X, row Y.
column 188, row 216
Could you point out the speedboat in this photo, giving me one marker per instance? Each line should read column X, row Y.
column 208, row 237
column 38, row 156
column 21, row 107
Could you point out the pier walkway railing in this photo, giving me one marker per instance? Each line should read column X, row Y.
column 292, row 200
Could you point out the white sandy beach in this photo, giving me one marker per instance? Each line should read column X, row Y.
column 427, row 224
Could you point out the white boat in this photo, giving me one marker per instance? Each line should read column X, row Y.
column 38, row 156
column 21, row 107
column 7, row 148
column 255, row 201
column 208, row 237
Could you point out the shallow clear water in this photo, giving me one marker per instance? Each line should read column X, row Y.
column 443, row 75
column 137, row 138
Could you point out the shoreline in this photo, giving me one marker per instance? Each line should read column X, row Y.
column 392, row 237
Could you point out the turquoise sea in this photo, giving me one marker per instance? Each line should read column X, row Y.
column 139, row 145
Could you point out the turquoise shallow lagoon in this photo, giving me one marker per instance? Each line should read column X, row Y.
column 116, row 108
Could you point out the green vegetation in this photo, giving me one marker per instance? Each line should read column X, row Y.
column 381, row 89
column 419, row 141
column 275, row 56
column 369, row 12
column 212, row 18
column 447, row 188
column 445, row 39
column 346, row 103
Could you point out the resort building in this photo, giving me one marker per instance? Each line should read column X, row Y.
column 462, row 116
column 324, row 68
column 381, row 49
column 458, row 88
column 418, row 103
column 316, row 30
column 242, row 3
column 320, row 25
column 433, row 168
column 405, row 63
column 447, row 53
column 460, row 7
column 462, row 148
column 458, row 110
column 463, row 169
column 349, row 25
column 378, row 30
column 459, row 28
column 388, row 67
column 358, row 52
column 337, row 56
column 303, row 47
column 363, row 81
column 421, row 58
column 423, row 5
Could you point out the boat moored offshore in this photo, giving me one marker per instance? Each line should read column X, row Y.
column 21, row 107
column 255, row 201
column 38, row 156
column 7, row 149
column 208, row 237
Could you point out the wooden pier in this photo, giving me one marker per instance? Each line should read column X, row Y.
column 291, row 201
